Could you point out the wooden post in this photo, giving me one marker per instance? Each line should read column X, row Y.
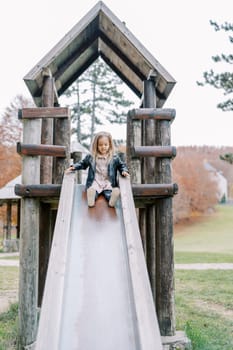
column 149, row 178
column 61, row 137
column 8, row 219
column 164, row 239
column 45, row 178
column 134, row 138
column 77, row 156
column 47, row 129
column 29, row 241
column 18, row 219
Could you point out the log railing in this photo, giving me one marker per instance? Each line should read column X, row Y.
column 148, row 156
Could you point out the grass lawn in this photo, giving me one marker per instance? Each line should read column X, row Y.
column 204, row 308
column 204, row 303
column 8, row 328
column 8, row 294
column 209, row 239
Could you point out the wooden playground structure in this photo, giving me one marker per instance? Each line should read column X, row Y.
column 46, row 154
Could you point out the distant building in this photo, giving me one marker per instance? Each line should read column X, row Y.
column 221, row 181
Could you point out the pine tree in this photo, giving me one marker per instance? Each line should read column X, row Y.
column 222, row 81
column 98, row 100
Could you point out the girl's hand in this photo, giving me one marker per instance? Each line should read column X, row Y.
column 125, row 174
column 69, row 170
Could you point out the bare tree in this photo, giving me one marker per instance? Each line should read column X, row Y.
column 10, row 126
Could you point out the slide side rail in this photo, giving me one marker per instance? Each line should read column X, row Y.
column 147, row 323
column 51, row 310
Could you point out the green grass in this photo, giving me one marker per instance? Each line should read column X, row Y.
column 8, row 320
column 204, row 308
column 8, row 328
column 8, row 278
column 204, row 303
column 212, row 235
column 202, row 257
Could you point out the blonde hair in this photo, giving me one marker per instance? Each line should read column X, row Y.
column 94, row 145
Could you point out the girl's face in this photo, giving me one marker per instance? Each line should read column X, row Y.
column 103, row 145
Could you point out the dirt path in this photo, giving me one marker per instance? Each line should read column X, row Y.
column 204, row 266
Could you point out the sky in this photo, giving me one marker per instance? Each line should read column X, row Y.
column 176, row 32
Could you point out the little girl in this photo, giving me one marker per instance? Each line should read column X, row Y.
column 102, row 166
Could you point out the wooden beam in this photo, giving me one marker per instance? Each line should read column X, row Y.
column 42, row 190
column 152, row 113
column 45, row 150
column 154, row 190
column 44, row 112
column 154, row 151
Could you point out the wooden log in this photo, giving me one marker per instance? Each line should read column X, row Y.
column 42, row 190
column 62, row 135
column 154, row 190
column 153, row 113
column 149, row 131
column 47, row 130
column 29, row 242
column 133, row 140
column 44, row 112
column 46, row 175
column 77, row 156
column 142, row 222
column 164, row 240
column 149, row 172
column 18, row 219
column 154, row 151
column 8, row 219
column 45, row 150
column 45, row 241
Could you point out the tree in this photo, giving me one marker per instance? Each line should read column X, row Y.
column 10, row 134
column 10, row 126
column 197, row 190
column 222, row 81
column 98, row 100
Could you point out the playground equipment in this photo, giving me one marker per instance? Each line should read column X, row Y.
column 46, row 154
column 103, row 298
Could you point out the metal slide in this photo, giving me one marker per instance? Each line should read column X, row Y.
column 100, row 297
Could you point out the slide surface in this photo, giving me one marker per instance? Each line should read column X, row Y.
column 97, row 294
column 97, row 310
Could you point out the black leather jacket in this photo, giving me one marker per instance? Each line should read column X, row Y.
column 115, row 164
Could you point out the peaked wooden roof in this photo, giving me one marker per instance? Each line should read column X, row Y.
column 99, row 33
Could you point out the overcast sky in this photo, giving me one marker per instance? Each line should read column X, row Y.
column 176, row 32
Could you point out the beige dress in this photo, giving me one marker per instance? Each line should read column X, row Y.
column 101, row 181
